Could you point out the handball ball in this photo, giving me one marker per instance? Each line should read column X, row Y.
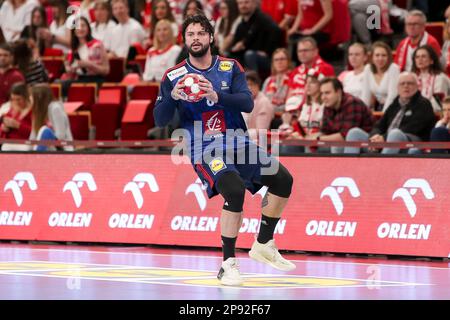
column 192, row 89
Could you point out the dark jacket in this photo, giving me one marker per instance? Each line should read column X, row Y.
column 419, row 118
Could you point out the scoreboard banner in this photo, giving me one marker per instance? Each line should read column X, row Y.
column 396, row 206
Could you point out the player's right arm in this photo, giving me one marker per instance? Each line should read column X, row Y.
column 166, row 102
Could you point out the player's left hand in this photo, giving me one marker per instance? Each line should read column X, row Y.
column 207, row 87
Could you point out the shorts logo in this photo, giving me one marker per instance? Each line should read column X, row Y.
column 217, row 165
column 177, row 73
column 225, row 65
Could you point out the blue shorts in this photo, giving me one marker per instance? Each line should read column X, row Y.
column 249, row 170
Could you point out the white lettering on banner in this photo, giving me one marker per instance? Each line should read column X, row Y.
column 252, row 226
column 404, row 231
column 188, row 223
column 69, row 219
column 131, row 221
column 15, row 218
column 331, row 228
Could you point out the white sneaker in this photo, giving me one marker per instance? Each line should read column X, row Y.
column 268, row 253
column 229, row 274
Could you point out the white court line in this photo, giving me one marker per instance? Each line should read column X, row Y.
column 245, row 258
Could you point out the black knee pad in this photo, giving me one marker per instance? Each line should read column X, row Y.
column 280, row 184
column 232, row 188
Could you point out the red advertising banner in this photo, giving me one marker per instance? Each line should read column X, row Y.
column 357, row 205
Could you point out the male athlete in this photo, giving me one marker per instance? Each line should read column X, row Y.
column 225, row 167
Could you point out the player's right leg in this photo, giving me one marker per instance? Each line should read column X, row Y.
column 231, row 186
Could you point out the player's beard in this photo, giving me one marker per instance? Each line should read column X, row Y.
column 200, row 53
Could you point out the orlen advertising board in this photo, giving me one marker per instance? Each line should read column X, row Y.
column 356, row 205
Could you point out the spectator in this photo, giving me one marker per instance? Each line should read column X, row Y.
column 87, row 61
column 441, row 132
column 87, row 8
column 9, row 75
column 380, row 76
column 410, row 117
column 445, row 58
column 312, row 20
column 33, row 70
column 15, row 15
column 416, row 36
column 226, row 26
column 161, row 10
column 16, row 123
column 433, row 83
column 126, row 33
column 354, row 80
column 276, row 86
column 58, row 35
column 256, row 37
column 263, row 111
column 163, row 54
column 30, row 32
column 49, row 119
column 308, row 54
column 311, row 116
column 360, row 16
column 342, row 112
column 103, row 26
column 283, row 12
column 193, row 7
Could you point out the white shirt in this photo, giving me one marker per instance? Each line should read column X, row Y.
column 60, row 31
column 353, row 84
column 429, row 85
column 102, row 30
column 13, row 21
column 123, row 36
column 158, row 62
column 386, row 91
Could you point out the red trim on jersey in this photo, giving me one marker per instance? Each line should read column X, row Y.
column 182, row 63
column 205, row 175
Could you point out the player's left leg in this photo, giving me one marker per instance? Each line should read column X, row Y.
column 264, row 248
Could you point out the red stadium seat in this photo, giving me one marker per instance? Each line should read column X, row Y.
column 116, row 70
column 145, row 91
column 83, row 92
column 106, row 113
column 436, row 29
column 80, row 124
column 53, row 52
column 54, row 66
column 137, row 120
column 56, row 90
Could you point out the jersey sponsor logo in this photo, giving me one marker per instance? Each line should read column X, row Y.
column 213, row 122
column 177, row 73
column 217, row 165
column 225, row 66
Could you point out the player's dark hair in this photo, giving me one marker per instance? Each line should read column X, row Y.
column 203, row 21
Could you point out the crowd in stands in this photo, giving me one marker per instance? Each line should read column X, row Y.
column 392, row 84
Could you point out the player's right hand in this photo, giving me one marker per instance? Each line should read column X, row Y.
column 177, row 91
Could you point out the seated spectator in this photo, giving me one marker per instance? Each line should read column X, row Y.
column 311, row 116
column 441, row 132
column 58, row 35
column 86, row 8
column 104, row 25
column 125, row 34
column 30, row 32
column 15, row 15
column 290, row 128
column 308, row 54
column 312, row 20
column 33, row 70
column 445, row 58
column 342, row 112
column 49, row 119
column 263, row 111
column 9, row 75
column 410, row 117
column 193, row 7
column 276, row 86
column 226, row 26
column 283, row 12
column 161, row 9
column 256, row 37
column 433, row 83
column 361, row 15
column 416, row 36
column 16, row 123
column 354, row 80
column 87, row 61
column 163, row 54
column 380, row 76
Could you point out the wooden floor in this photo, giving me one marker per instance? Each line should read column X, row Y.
column 36, row 271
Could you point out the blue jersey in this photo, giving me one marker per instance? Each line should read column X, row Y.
column 205, row 120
